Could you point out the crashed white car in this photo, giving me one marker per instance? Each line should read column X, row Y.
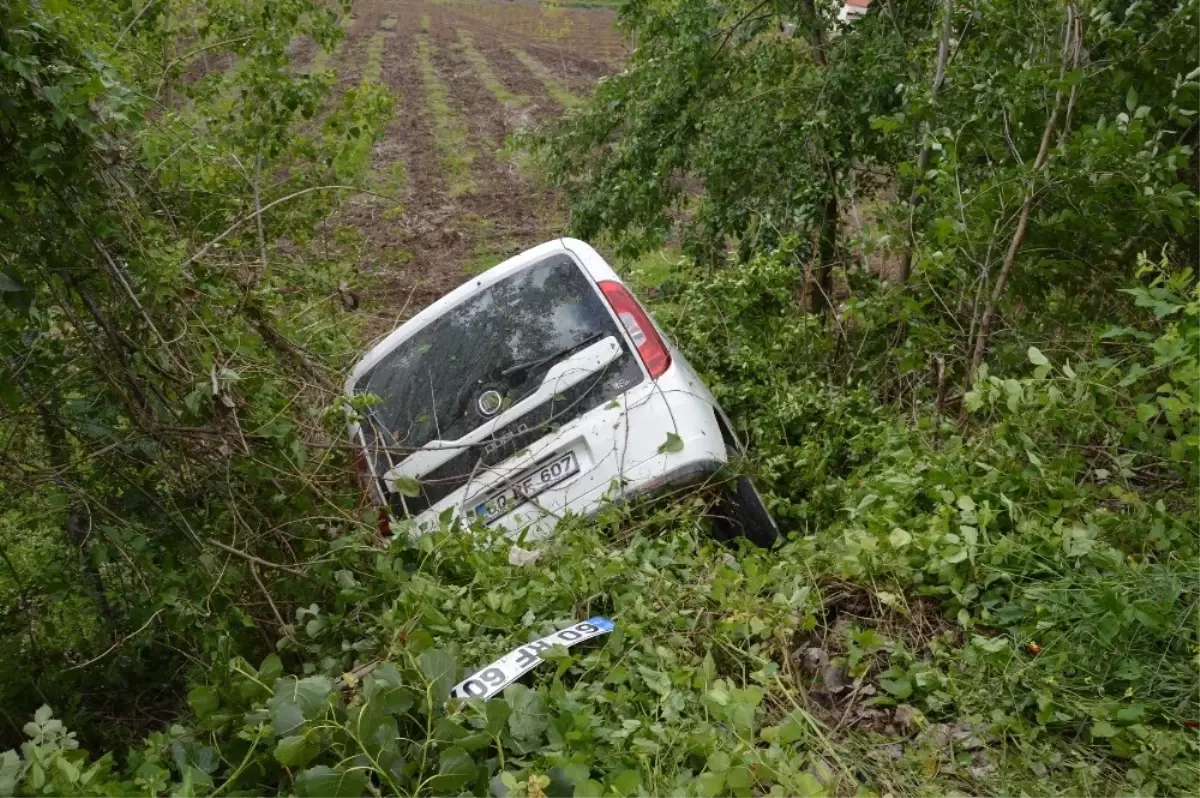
column 537, row 389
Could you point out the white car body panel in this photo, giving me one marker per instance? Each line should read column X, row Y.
column 617, row 445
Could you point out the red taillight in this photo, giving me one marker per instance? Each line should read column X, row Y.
column 649, row 345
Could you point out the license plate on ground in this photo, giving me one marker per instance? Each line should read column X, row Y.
column 493, row 678
column 526, row 486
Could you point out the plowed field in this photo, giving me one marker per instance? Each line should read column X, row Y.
column 465, row 75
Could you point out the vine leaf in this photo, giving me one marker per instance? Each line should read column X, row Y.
column 671, row 445
column 439, row 668
column 297, row 700
column 325, row 781
column 455, row 769
column 407, row 486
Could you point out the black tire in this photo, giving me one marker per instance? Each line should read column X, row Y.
column 741, row 513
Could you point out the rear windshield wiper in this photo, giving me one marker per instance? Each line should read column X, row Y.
column 566, row 350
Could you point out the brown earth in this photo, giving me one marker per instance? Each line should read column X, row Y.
column 410, row 255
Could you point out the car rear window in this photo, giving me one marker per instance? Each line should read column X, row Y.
column 503, row 339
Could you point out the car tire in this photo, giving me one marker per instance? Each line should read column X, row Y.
column 741, row 513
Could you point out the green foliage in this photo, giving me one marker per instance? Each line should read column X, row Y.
column 719, row 94
column 157, row 384
column 990, row 581
column 602, row 718
column 1063, row 529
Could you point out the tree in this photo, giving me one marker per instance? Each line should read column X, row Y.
column 153, row 394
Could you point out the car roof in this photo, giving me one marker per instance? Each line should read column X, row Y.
column 459, row 295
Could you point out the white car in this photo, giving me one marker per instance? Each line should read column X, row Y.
column 539, row 388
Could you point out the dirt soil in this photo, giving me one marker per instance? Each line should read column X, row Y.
column 414, row 254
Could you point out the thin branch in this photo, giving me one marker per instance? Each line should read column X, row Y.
column 133, row 22
column 271, row 601
column 119, row 643
column 259, row 211
column 255, row 560
column 118, row 273
column 1072, row 43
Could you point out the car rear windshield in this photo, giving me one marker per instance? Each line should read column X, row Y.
column 503, row 339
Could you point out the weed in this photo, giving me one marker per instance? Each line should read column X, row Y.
column 451, row 132
column 554, row 87
column 374, row 66
column 321, row 59
column 486, row 75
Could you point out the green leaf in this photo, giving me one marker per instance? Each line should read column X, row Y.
column 324, row 782
column 739, row 778
column 809, row 786
column 67, row 768
column 271, row 669
column 1103, row 728
column 497, row 713
column 1131, row 99
column 455, row 770
column 899, row 538
column 672, row 445
column 294, row 751
column 576, row 772
column 528, row 718
column 1036, row 357
column 10, row 285
column 386, row 697
column 447, row 731
column 710, row 785
column 406, row 486
column 440, row 670
column 589, row 789
column 626, row 782
column 10, row 772
column 296, row 701
column 204, row 701
column 718, row 762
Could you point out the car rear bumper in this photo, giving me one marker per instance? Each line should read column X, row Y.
column 625, row 453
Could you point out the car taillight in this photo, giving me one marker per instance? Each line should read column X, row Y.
column 649, row 345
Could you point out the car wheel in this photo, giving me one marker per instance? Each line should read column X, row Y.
column 741, row 513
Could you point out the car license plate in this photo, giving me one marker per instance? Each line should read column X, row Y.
column 526, row 486
column 493, row 678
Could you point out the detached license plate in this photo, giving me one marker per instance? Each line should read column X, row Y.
column 493, row 678
column 526, row 486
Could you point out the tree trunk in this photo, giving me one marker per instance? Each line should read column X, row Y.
column 939, row 76
column 1072, row 41
column 819, row 282
column 827, row 252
